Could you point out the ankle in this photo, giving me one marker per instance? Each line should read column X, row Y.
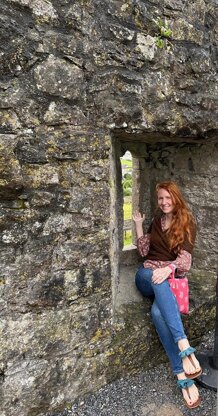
column 181, row 376
column 183, row 344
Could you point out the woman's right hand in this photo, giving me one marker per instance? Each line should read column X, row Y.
column 138, row 217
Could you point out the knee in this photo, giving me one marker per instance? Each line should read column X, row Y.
column 138, row 278
column 142, row 275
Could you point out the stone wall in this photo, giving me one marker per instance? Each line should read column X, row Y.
column 78, row 79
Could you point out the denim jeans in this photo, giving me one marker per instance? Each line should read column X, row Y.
column 165, row 315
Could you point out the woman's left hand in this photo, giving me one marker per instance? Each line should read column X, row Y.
column 161, row 274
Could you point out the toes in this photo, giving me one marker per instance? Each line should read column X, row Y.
column 191, row 365
column 191, row 395
column 188, row 366
column 187, row 397
column 195, row 362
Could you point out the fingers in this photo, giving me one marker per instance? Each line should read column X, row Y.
column 155, row 278
column 159, row 276
column 158, row 280
column 137, row 216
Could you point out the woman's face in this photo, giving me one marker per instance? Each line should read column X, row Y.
column 165, row 202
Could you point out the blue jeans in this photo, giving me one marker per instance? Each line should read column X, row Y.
column 165, row 315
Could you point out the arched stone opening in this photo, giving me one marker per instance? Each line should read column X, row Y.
column 192, row 164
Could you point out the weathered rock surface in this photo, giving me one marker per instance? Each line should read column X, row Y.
column 50, row 75
column 150, row 393
column 81, row 82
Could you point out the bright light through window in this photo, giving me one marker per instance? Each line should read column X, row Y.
column 126, row 164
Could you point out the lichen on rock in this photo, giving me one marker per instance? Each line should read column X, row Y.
column 81, row 83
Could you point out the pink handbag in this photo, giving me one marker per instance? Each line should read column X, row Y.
column 180, row 290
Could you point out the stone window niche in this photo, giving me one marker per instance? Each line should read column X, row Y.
column 125, row 258
column 193, row 165
column 126, row 164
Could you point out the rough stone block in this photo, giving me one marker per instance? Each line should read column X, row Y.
column 58, row 77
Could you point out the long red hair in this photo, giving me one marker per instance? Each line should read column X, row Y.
column 182, row 218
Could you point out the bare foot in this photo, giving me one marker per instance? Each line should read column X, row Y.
column 190, row 394
column 190, row 364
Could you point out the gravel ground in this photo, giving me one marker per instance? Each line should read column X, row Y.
column 151, row 393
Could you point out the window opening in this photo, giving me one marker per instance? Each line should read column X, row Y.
column 126, row 166
column 130, row 190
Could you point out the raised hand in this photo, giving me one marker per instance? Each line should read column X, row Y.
column 138, row 217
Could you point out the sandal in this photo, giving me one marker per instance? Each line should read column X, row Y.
column 185, row 384
column 187, row 353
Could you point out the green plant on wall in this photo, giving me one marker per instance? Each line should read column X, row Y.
column 127, row 185
column 162, row 38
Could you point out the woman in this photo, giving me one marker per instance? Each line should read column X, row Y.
column 167, row 246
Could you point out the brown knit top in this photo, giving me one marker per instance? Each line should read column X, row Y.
column 159, row 247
